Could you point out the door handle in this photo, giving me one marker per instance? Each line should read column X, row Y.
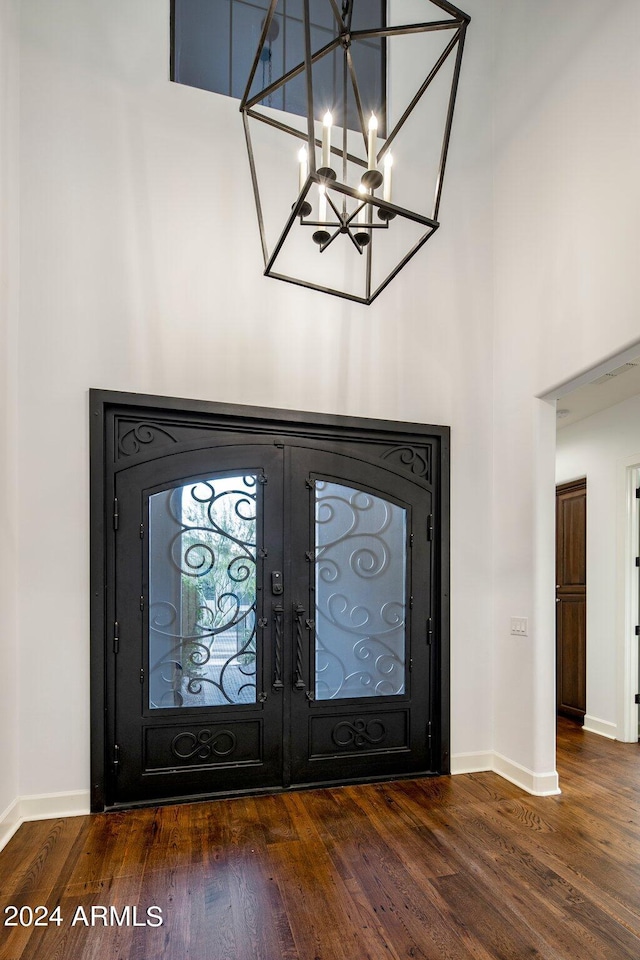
column 278, row 611
column 298, row 616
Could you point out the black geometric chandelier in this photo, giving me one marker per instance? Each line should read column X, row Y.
column 347, row 114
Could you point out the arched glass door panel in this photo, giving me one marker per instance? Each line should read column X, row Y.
column 202, row 593
column 360, row 591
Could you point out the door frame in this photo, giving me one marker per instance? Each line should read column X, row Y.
column 150, row 419
column 627, row 600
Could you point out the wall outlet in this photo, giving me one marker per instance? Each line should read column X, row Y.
column 519, row 627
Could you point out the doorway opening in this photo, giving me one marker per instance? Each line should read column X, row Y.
column 598, row 437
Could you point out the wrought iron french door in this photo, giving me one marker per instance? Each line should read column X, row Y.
column 273, row 613
column 198, row 535
column 361, row 595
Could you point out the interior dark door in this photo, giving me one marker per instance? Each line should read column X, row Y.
column 571, row 599
column 198, row 538
column 361, row 595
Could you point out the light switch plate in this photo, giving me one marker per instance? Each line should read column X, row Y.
column 519, row 626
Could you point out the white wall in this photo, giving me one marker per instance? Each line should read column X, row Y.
column 567, row 135
column 141, row 271
column 9, row 519
column 594, row 448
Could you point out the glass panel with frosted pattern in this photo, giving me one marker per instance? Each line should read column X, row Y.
column 360, row 588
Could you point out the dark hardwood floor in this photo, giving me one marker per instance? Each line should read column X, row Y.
column 456, row 867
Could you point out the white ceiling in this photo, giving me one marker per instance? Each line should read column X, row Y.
column 605, row 391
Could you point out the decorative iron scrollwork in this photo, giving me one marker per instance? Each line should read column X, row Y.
column 359, row 733
column 141, row 434
column 187, row 745
column 417, row 460
column 203, row 556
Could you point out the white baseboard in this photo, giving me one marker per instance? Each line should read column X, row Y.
column 602, row 727
column 471, row 762
column 44, row 806
column 538, row 784
column 9, row 822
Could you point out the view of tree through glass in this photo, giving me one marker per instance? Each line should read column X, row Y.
column 202, row 625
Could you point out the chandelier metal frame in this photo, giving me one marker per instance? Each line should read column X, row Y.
column 379, row 212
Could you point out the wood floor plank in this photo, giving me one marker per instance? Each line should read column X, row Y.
column 37, row 855
column 450, row 868
column 551, row 903
column 415, row 922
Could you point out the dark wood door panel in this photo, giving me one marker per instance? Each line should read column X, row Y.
column 571, row 568
column 571, row 587
column 571, row 649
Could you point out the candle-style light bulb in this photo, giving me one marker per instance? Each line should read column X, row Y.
column 303, row 168
column 327, row 122
column 372, row 142
column 388, row 164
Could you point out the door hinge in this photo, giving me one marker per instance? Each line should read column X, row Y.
column 410, row 540
column 637, row 561
column 142, row 531
column 636, row 699
column 141, row 604
column 429, row 736
column 116, row 757
column 410, row 665
column 116, row 515
column 637, row 493
column 429, row 631
column 430, row 527
column 410, row 603
column 116, row 636
column 141, row 674
column 637, row 631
